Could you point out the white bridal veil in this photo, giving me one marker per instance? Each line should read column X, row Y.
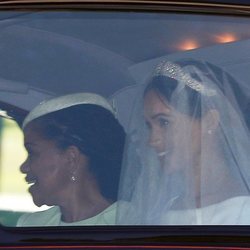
column 187, row 159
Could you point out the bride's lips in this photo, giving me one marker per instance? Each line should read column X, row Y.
column 162, row 153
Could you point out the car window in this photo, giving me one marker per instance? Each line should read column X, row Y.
column 49, row 54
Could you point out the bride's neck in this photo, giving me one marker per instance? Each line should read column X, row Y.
column 215, row 185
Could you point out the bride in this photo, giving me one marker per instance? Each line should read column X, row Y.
column 188, row 153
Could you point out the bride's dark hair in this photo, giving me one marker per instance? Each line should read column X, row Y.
column 165, row 86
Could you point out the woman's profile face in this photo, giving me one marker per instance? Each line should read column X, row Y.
column 174, row 136
column 45, row 168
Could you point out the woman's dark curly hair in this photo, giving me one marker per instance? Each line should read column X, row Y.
column 96, row 133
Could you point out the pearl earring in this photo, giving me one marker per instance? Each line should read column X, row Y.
column 209, row 131
column 73, row 178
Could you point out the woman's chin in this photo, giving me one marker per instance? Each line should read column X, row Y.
column 36, row 196
column 37, row 201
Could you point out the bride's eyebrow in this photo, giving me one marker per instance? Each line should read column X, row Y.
column 161, row 114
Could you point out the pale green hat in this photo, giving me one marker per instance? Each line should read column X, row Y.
column 66, row 101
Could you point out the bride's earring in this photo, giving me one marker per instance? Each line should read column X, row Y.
column 73, row 178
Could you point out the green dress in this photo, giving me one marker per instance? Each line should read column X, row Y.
column 52, row 217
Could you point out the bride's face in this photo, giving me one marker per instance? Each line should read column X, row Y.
column 175, row 137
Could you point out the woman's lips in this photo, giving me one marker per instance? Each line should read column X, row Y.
column 30, row 180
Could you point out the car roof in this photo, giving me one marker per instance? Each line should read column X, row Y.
column 46, row 62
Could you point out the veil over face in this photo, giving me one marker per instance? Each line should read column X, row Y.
column 188, row 149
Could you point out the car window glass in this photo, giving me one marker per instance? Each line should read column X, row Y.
column 53, row 53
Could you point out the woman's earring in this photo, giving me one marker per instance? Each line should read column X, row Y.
column 209, row 131
column 73, row 178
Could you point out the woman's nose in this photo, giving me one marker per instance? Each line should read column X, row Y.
column 24, row 168
column 154, row 138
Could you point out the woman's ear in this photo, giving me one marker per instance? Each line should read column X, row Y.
column 76, row 161
column 73, row 157
column 211, row 120
column 73, row 154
